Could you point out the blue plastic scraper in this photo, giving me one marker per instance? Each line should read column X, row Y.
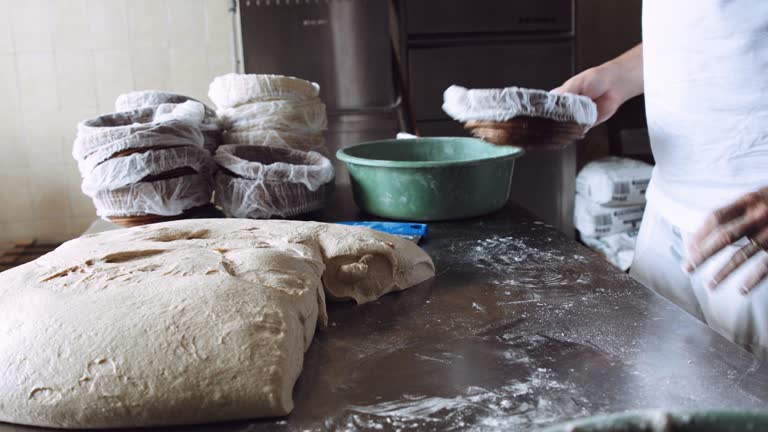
column 410, row 231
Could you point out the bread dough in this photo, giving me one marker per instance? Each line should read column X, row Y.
column 363, row 267
column 181, row 322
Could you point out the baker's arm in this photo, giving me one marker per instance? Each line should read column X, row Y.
column 610, row 84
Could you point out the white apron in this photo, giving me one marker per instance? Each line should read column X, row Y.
column 706, row 89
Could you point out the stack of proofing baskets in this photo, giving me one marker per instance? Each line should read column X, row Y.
column 271, row 163
column 151, row 160
column 153, row 98
column 270, row 110
column 610, row 200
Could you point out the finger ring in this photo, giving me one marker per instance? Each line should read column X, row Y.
column 755, row 243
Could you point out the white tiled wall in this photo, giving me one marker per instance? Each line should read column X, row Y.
column 62, row 61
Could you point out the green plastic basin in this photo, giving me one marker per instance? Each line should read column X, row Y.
column 430, row 179
column 662, row 421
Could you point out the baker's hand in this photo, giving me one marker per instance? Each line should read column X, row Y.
column 610, row 84
column 597, row 84
column 747, row 217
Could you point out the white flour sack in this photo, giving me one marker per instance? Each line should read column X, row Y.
column 614, row 181
column 592, row 219
column 618, row 249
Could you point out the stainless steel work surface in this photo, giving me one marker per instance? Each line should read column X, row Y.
column 521, row 328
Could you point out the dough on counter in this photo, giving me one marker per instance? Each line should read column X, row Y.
column 181, row 322
column 363, row 265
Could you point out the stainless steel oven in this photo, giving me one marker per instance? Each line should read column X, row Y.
column 344, row 45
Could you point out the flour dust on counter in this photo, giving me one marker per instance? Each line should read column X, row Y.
column 532, row 394
column 182, row 322
column 523, row 265
column 517, row 382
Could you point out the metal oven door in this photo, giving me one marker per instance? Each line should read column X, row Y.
column 342, row 45
column 431, row 17
column 542, row 64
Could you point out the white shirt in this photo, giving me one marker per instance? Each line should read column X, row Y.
column 706, row 93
